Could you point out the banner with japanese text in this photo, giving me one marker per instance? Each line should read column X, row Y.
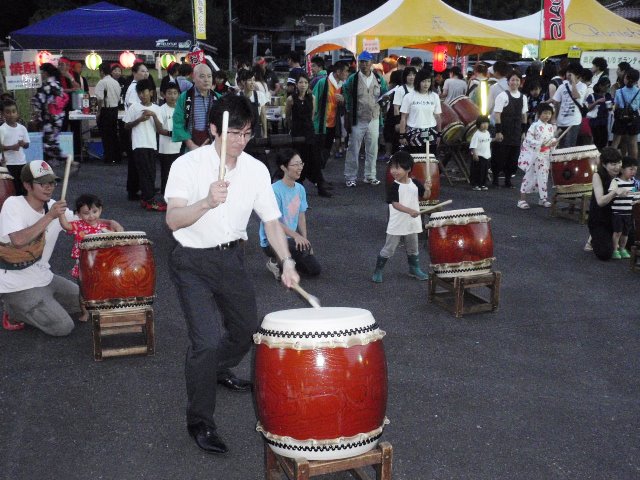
column 22, row 69
column 200, row 18
column 554, row 17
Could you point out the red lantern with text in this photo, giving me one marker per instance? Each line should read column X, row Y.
column 127, row 59
column 44, row 57
column 440, row 58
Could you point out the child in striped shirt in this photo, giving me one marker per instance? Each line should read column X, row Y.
column 621, row 207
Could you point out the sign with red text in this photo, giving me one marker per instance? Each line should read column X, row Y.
column 22, row 70
column 553, row 13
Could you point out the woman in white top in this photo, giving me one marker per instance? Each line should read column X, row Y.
column 420, row 115
column 510, row 113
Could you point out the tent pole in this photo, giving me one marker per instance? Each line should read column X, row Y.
column 230, row 39
column 539, row 56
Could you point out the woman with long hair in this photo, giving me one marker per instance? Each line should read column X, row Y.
column 48, row 109
column 299, row 111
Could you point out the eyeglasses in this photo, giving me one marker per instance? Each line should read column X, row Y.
column 297, row 164
column 243, row 136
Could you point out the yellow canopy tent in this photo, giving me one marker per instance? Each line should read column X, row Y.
column 589, row 26
column 416, row 24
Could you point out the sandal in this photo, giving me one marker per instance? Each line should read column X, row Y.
column 7, row 324
column 522, row 204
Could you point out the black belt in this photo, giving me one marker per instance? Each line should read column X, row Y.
column 227, row 246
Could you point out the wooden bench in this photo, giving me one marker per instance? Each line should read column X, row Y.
column 302, row 469
column 457, row 293
column 112, row 322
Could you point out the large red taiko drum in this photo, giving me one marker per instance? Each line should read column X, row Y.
column 467, row 111
column 320, row 382
column 449, row 115
column 7, row 189
column 572, row 168
column 460, row 243
column 453, row 133
column 117, row 270
column 422, row 168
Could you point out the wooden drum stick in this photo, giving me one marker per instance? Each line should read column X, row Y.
column 223, row 147
column 434, row 207
column 312, row 300
column 65, row 180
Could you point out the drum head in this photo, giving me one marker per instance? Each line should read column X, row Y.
column 306, row 328
column 422, row 158
column 468, row 212
column 574, row 153
column 114, row 235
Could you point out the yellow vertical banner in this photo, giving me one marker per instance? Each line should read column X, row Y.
column 200, row 18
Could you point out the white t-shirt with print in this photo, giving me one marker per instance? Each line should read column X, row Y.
column 568, row 113
column 421, row 108
column 481, row 143
column 143, row 135
column 16, row 215
column 11, row 136
column 166, row 146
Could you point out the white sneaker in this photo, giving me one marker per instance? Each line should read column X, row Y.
column 372, row 181
column 351, row 183
column 274, row 269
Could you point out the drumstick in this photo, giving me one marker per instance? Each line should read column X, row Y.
column 223, row 147
column 564, row 133
column 433, row 207
column 65, row 180
column 312, row 300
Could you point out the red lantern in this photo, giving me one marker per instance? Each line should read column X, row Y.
column 440, row 58
column 43, row 57
column 127, row 59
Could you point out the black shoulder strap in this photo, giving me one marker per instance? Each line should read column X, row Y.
column 46, row 207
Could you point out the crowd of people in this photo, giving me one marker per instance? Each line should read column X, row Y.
column 346, row 111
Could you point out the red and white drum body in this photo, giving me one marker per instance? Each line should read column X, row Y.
column 467, row 111
column 7, row 189
column 320, row 382
column 117, row 270
column 460, row 243
column 572, row 168
column 423, row 169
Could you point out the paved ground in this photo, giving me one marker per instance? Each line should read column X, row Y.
column 544, row 388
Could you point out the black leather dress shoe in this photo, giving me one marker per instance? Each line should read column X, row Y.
column 207, row 438
column 234, row 383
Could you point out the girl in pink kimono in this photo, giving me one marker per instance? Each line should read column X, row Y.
column 535, row 154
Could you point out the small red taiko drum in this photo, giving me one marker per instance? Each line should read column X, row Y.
column 460, row 243
column 467, row 111
column 572, row 168
column 7, row 189
column 117, row 270
column 422, row 168
column 320, row 382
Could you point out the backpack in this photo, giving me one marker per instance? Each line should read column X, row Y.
column 626, row 113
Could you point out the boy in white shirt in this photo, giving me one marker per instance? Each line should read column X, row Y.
column 480, row 148
column 168, row 150
column 143, row 121
column 15, row 139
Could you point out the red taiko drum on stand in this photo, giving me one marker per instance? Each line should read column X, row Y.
column 117, row 270
column 320, row 382
column 467, row 111
column 572, row 169
column 452, row 133
column 422, row 168
column 449, row 115
column 460, row 243
column 7, row 189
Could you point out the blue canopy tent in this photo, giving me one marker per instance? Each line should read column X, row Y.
column 101, row 26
